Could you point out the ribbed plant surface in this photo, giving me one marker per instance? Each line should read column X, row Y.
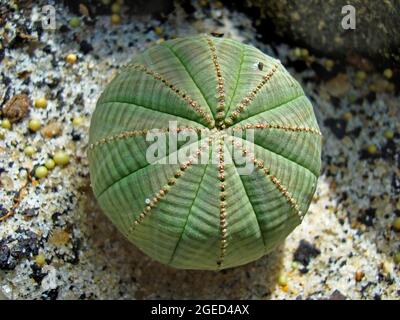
column 205, row 215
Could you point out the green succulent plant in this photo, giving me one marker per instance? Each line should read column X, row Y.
column 205, row 215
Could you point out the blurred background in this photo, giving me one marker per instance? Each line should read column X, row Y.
column 56, row 57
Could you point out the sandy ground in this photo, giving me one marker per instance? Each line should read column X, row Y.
column 344, row 248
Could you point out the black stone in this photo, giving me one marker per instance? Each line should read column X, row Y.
column 337, row 295
column 30, row 212
column 85, row 47
column 4, row 255
column 337, row 126
column 37, row 273
column 50, row 294
column 305, row 252
column 367, row 217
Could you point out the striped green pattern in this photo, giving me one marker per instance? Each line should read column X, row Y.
column 206, row 215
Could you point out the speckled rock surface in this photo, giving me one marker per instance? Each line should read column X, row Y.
column 56, row 244
column 317, row 24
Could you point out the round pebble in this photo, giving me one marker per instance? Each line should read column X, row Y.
column 77, row 121
column 71, row 58
column 397, row 258
column 329, row 64
column 41, row 172
column 359, row 275
column 29, row 151
column 34, row 125
column 115, row 8
column 347, row 115
column 372, row 149
column 40, row 260
column 115, row 19
column 41, row 103
column 388, row 73
column 282, row 280
column 396, row 224
column 6, row 124
column 61, row 158
column 50, row 164
column 361, row 75
column 389, row 134
column 74, row 22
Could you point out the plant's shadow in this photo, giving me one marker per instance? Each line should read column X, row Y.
column 153, row 280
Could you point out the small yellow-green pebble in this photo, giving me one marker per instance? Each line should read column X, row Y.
column 388, row 73
column 40, row 103
column 40, row 260
column 61, row 158
column 389, row 134
column 347, row 115
column 50, row 164
column 41, row 172
column 29, row 151
column 74, row 22
column 294, row 265
column 372, row 149
column 2, row 134
column 77, row 121
column 6, row 124
column 158, row 30
column 361, row 75
column 304, row 53
column 397, row 258
column 282, row 280
column 115, row 19
column 34, row 125
column 115, row 8
column 71, row 58
column 396, row 224
column 297, row 52
column 329, row 64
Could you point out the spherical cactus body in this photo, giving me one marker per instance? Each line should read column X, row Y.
column 243, row 185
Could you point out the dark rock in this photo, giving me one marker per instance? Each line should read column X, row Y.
column 375, row 35
column 47, row 49
column 305, row 252
column 30, row 212
column 50, row 294
column 75, row 136
column 396, row 183
column 367, row 217
column 298, row 65
column 27, row 245
column 4, row 255
column 337, row 126
column 337, row 295
column 37, row 273
column 389, row 150
column 85, row 47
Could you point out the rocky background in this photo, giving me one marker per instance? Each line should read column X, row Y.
column 56, row 244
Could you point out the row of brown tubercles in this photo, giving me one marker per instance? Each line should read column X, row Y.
column 259, row 164
column 222, row 204
column 220, row 86
column 166, row 188
column 133, row 133
column 277, row 126
column 250, row 97
column 180, row 93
